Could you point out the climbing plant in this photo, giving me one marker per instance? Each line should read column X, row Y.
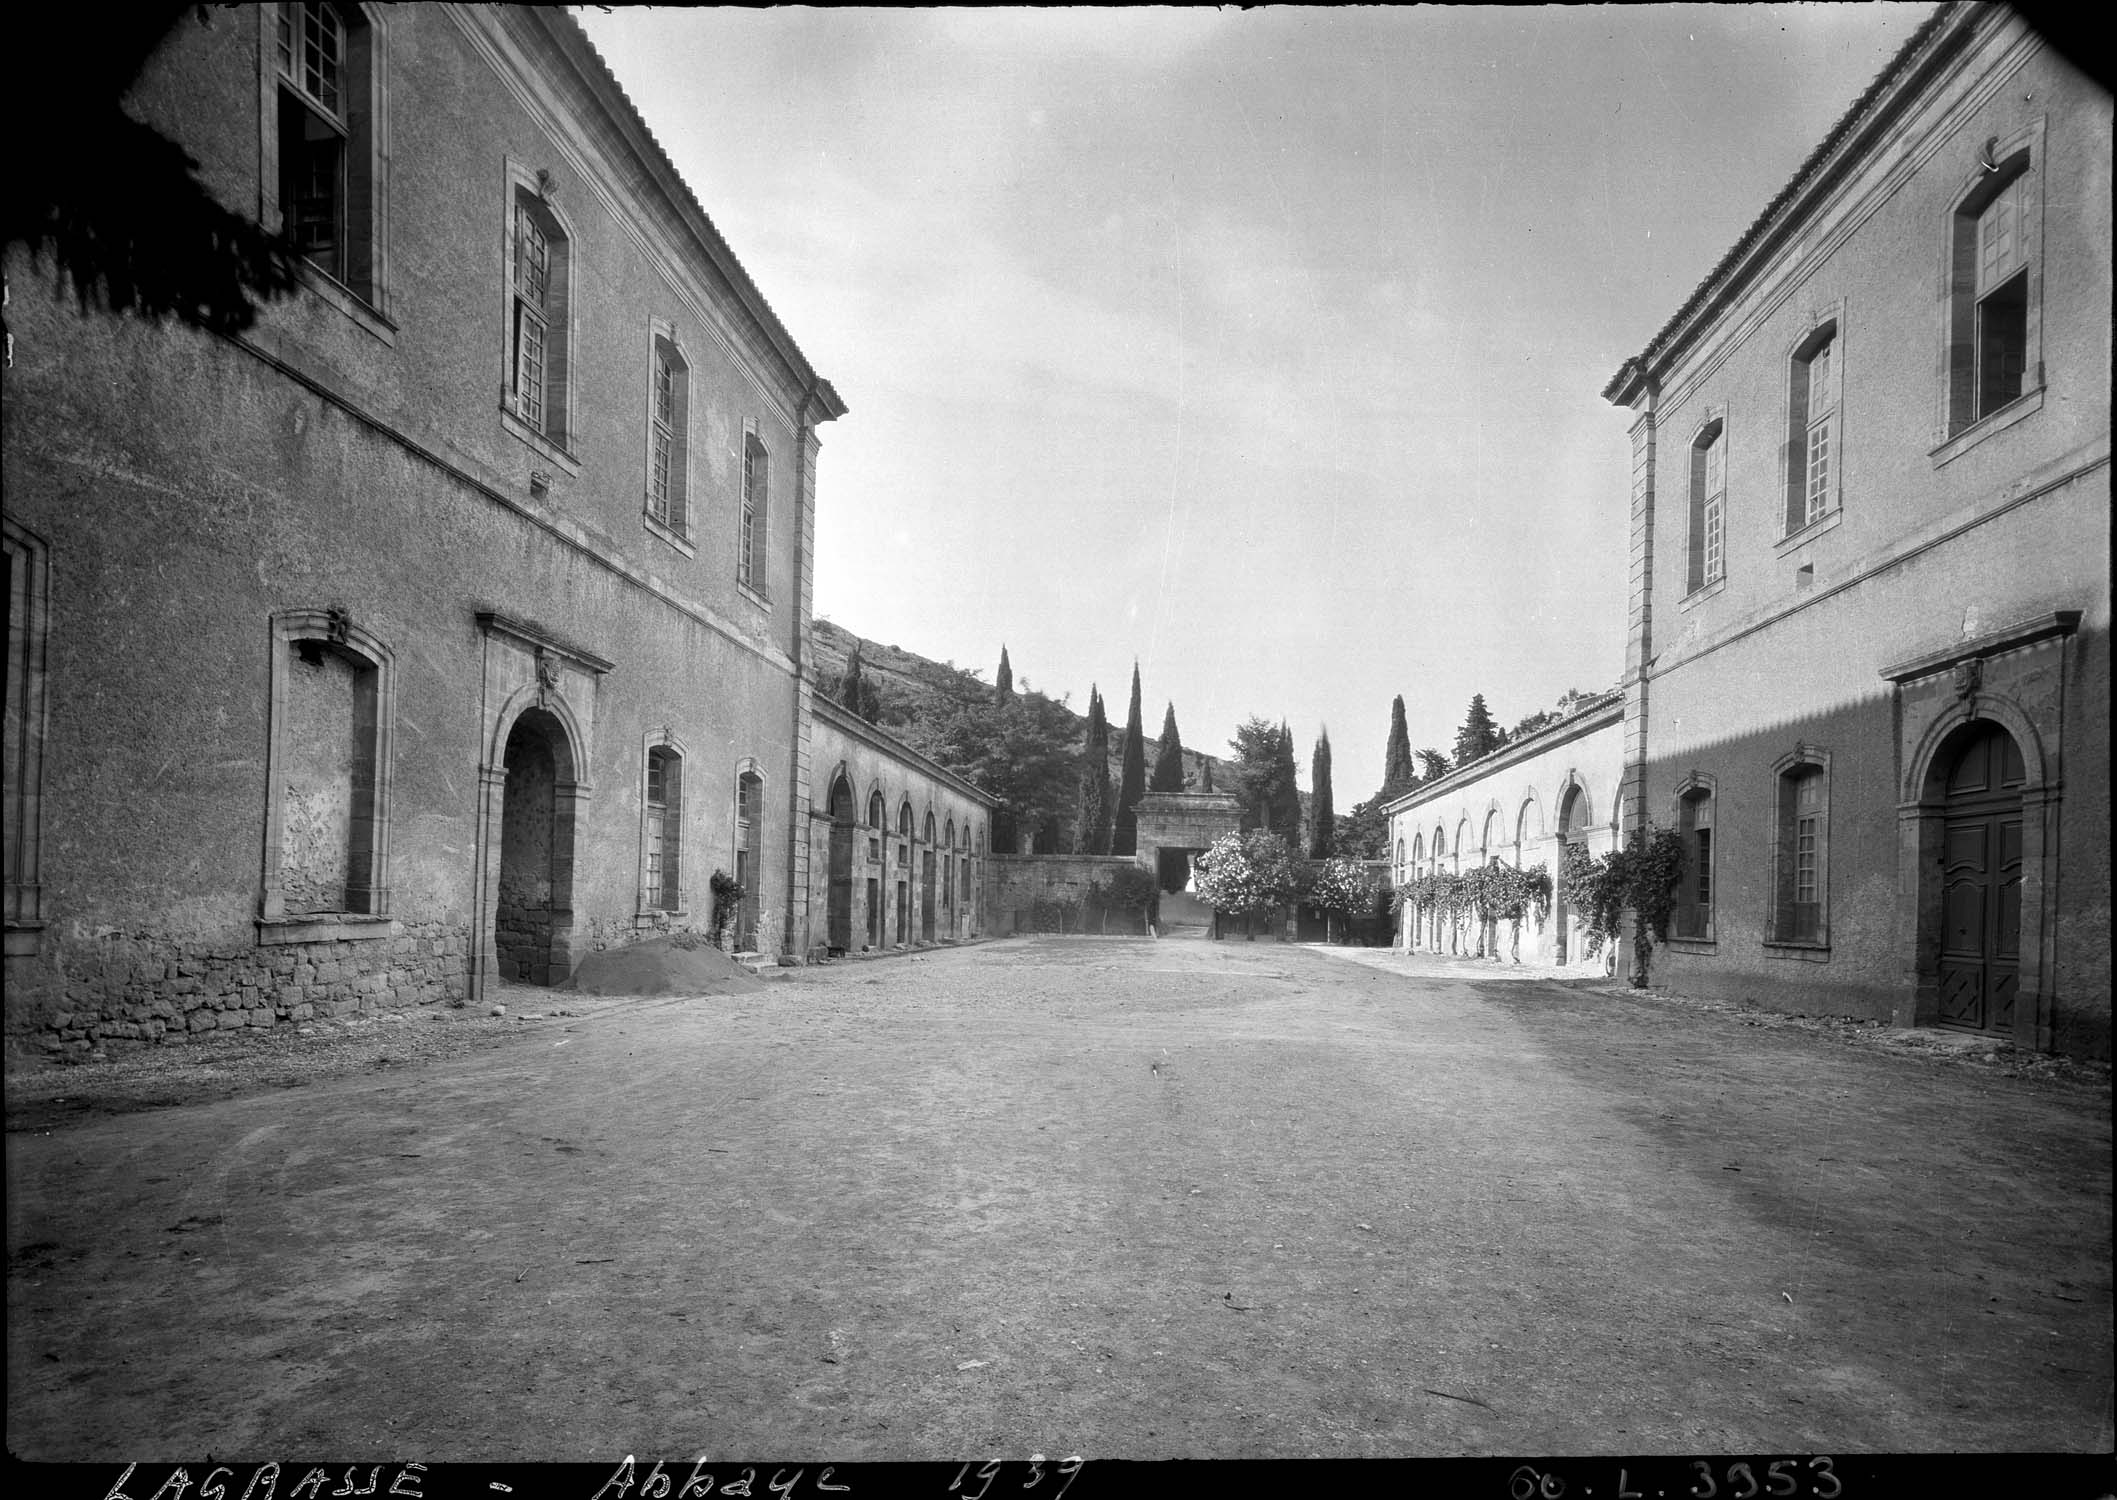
column 1640, row 878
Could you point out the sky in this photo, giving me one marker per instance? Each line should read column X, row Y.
column 1263, row 347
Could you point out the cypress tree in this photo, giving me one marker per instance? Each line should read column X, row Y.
column 1321, row 843
column 1091, row 829
column 1132, row 785
column 1003, row 680
column 1168, row 762
column 1398, row 774
column 1286, row 794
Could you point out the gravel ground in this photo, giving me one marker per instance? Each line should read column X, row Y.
column 1117, row 1198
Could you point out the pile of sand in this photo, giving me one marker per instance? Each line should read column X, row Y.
column 661, row 966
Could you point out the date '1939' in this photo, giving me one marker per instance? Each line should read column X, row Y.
column 991, row 1471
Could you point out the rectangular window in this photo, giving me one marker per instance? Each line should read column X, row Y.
column 1822, row 414
column 668, row 416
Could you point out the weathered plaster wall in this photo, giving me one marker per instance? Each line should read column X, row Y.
column 1520, row 793
column 189, row 488
column 893, row 914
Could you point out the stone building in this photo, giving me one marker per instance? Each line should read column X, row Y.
column 1520, row 805
column 897, row 843
column 452, row 621
column 1867, row 676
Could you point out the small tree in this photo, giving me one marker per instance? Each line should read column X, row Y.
column 1130, row 892
column 1342, row 888
column 1003, row 681
column 1433, row 764
column 1246, row 873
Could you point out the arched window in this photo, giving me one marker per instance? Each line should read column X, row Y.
column 875, row 812
column 1490, row 837
column 1994, row 254
column 904, row 820
column 1708, row 536
column 1418, row 851
column 1522, row 834
column 661, row 843
column 1812, row 429
column 1462, row 842
column 929, row 827
column 1693, row 917
column 668, row 426
column 948, row 838
column 1801, row 854
column 1440, row 849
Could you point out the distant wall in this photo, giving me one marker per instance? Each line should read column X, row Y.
column 1050, row 893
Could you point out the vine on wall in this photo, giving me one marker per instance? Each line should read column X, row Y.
column 1640, row 878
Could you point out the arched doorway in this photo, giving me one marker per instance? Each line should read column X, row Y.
column 533, row 915
column 1572, row 823
column 1978, row 964
column 839, row 903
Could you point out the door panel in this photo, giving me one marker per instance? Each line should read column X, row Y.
column 1981, row 868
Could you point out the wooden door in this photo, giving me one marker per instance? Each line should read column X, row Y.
column 1980, row 955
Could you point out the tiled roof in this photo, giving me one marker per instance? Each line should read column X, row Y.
column 1839, row 132
column 570, row 33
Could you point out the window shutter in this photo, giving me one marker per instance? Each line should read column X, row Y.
column 680, row 450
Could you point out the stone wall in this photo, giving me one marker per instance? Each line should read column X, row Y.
column 127, row 990
column 1051, row 893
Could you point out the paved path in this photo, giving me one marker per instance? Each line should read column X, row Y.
column 1120, row 1198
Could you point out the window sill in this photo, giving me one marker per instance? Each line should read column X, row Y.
column 1703, row 946
column 1807, row 953
column 324, row 927
column 660, row 916
column 1703, row 592
column 670, row 535
column 1794, row 540
column 542, row 444
column 2021, row 406
column 24, row 939
column 348, row 301
column 762, row 600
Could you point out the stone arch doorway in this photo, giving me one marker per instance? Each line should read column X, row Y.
column 1572, row 824
column 1978, row 776
column 532, row 911
column 839, row 905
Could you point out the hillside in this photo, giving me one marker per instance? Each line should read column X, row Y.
column 916, row 690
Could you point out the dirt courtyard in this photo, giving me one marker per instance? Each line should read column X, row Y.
column 1118, row 1198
